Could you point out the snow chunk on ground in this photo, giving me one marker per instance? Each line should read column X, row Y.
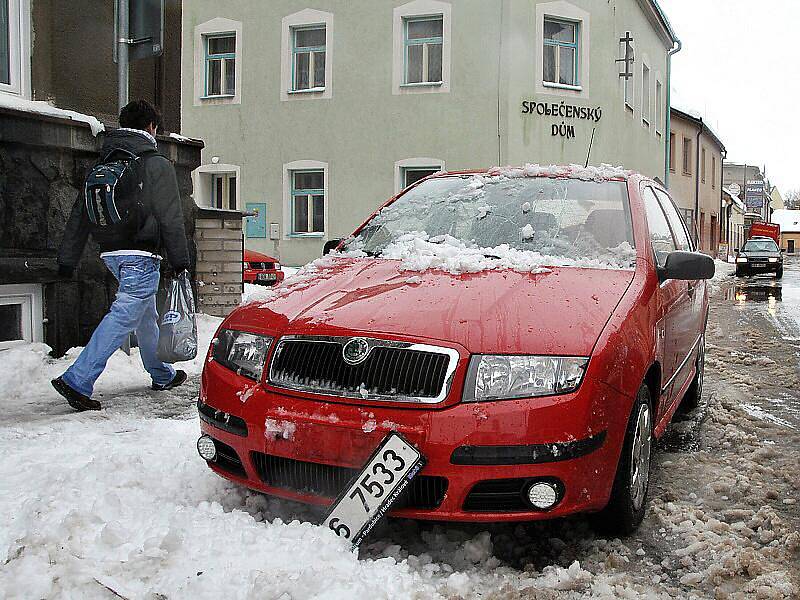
column 47, row 109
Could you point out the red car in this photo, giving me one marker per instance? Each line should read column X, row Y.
column 261, row 269
column 531, row 331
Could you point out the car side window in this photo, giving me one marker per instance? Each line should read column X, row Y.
column 676, row 222
column 660, row 233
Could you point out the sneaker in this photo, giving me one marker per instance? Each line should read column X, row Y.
column 75, row 399
column 180, row 377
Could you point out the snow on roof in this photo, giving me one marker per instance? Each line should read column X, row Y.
column 44, row 108
column 602, row 173
column 735, row 198
column 789, row 220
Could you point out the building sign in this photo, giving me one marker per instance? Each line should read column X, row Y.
column 256, row 226
column 754, row 194
column 566, row 115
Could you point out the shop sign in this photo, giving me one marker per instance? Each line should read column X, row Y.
column 567, row 113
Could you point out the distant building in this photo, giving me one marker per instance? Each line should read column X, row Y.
column 789, row 220
column 754, row 188
column 315, row 116
column 733, row 228
column 776, row 201
column 695, row 177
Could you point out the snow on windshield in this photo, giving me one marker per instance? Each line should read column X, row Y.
column 519, row 219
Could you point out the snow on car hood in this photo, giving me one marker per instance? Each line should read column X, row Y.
column 561, row 311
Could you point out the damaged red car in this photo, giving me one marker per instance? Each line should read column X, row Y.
column 530, row 331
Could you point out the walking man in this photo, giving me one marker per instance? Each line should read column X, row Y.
column 131, row 206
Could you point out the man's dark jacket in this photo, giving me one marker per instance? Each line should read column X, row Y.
column 161, row 228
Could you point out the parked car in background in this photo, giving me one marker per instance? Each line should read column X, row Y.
column 531, row 331
column 759, row 256
column 261, row 269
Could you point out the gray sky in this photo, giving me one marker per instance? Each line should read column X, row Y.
column 740, row 69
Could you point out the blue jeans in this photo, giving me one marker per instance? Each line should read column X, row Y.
column 134, row 309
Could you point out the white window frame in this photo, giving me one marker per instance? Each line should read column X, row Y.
column 29, row 296
column 563, row 11
column 203, row 182
column 288, row 215
column 212, row 28
column 646, row 94
column 19, row 42
column 410, row 11
column 659, row 112
column 299, row 20
column 419, row 162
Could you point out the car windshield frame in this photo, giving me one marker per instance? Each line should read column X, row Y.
column 767, row 241
column 518, row 206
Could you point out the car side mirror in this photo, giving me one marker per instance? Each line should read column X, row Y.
column 330, row 246
column 687, row 266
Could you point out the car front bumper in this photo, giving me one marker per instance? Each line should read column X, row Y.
column 304, row 449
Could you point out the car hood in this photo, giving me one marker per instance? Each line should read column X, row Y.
column 253, row 256
column 561, row 312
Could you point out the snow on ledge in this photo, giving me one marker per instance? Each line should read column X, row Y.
column 602, row 173
column 44, row 108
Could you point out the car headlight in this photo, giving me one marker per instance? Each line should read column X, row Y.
column 741, row 259
column 242, row 352
column 277, row 266
column 773, row 259
column 492, row 377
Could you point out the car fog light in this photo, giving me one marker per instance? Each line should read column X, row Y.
column 206, row 447
column 543, row 495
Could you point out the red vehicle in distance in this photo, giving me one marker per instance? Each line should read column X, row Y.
column 261, row 269
column 531, row 331
column 770, row 230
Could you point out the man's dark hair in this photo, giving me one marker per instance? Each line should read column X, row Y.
column 139, row 114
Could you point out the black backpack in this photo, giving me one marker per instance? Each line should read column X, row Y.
column 113, row 192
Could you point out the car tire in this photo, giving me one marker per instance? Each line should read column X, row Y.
column 779, row 273
column 691, row 400
column 739, row 273
column 626, row 507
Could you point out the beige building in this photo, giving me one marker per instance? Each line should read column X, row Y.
column 789, row 220
column 313, row 114
column 695, row 177
column 733, row 232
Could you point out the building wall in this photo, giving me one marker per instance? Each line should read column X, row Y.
column 72, row 60
column 682, row 184
column 740, row 174
column 361, row 127
column 794, row 237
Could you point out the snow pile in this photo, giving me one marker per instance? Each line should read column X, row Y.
column 43, row 108
column 723, row 271
column 592, row 173
column 420, row 252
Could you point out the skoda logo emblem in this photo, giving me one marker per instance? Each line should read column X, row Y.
column 355, row 351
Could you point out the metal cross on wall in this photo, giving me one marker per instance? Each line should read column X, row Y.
column 628, row 57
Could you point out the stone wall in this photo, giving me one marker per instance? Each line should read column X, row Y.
column 43, row 161
column 218, row 237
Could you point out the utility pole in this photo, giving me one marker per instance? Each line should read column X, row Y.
column 123, row 35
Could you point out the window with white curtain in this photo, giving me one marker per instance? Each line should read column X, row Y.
column 14, row 53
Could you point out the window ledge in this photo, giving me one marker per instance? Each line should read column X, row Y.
column 422, row 84
column 218, row 97
column 315, row 90
column 562, row 86
column 628, row 106
column 306, row 235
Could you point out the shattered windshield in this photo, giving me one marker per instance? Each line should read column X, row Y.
column 560, row 221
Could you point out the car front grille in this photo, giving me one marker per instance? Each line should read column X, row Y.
column 398, row 371
column 260, row 266
column 327, row 481
column 497, row 495
column 222, row 420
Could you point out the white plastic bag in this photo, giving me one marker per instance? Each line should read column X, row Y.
column 177, row 336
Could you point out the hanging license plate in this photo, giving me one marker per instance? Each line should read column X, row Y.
column 372, row 492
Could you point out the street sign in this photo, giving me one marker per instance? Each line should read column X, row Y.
column 735, row 189
column 754, row 194
column 146, row 29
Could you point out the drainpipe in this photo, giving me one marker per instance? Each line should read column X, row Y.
column 698, row 233
column 727, row 226
column 675, row 49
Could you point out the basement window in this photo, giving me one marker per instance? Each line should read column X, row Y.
column 20, row 315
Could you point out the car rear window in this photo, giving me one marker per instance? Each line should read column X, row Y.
column 565, row 220
column 760, row 246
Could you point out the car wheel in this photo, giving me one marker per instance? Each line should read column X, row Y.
column 626, row 507
column 779, row 273
column 691, row 400
column 739, row 273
